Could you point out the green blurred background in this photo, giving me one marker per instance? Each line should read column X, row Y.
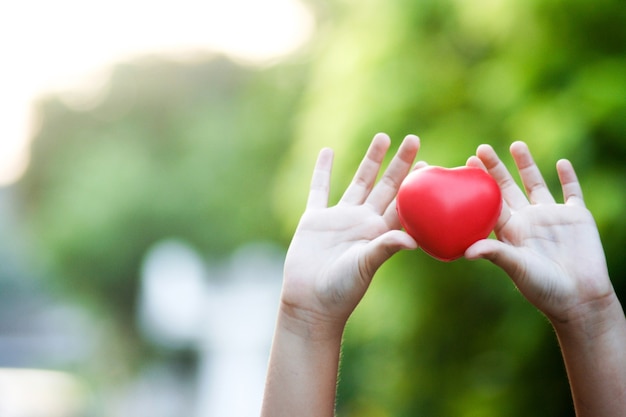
column 220, row 154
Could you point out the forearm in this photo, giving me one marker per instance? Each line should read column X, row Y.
column 594, row 349
column 302, row 373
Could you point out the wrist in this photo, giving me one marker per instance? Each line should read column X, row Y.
column 308, row 324
column 591, row 320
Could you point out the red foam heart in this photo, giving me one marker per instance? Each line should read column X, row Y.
column 447, row 210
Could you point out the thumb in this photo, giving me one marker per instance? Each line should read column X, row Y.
column 384, row 247
column 499, row 253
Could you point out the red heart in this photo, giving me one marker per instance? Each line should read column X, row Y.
column 447, row 210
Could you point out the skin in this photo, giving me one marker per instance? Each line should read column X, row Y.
column 336, row 251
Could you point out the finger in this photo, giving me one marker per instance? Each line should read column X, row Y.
column 572, row 191
column 391, row 212
column 474, row 161
column 503, row 218
column 386, row 189
column 511, row 193
column 536, row 188
column 505, row 256
column 384, row 247
column 390, row 216
column 320, row 181
column 366, row 174
column 505, row 212
column 419, row 165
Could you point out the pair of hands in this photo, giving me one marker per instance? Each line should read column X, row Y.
column 551, row 251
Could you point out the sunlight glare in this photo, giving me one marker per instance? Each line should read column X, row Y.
column 66, row 47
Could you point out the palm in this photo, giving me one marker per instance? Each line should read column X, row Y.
column 551, row 251
column 333, row 242
column 552, row 273
column 336, row 250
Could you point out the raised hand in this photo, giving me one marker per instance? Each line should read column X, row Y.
column 329, row 266
column 336, row 250
column 554, row 255
column 551, row 251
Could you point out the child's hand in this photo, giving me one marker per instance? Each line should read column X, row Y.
column 551, row 251
column 336, row 250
